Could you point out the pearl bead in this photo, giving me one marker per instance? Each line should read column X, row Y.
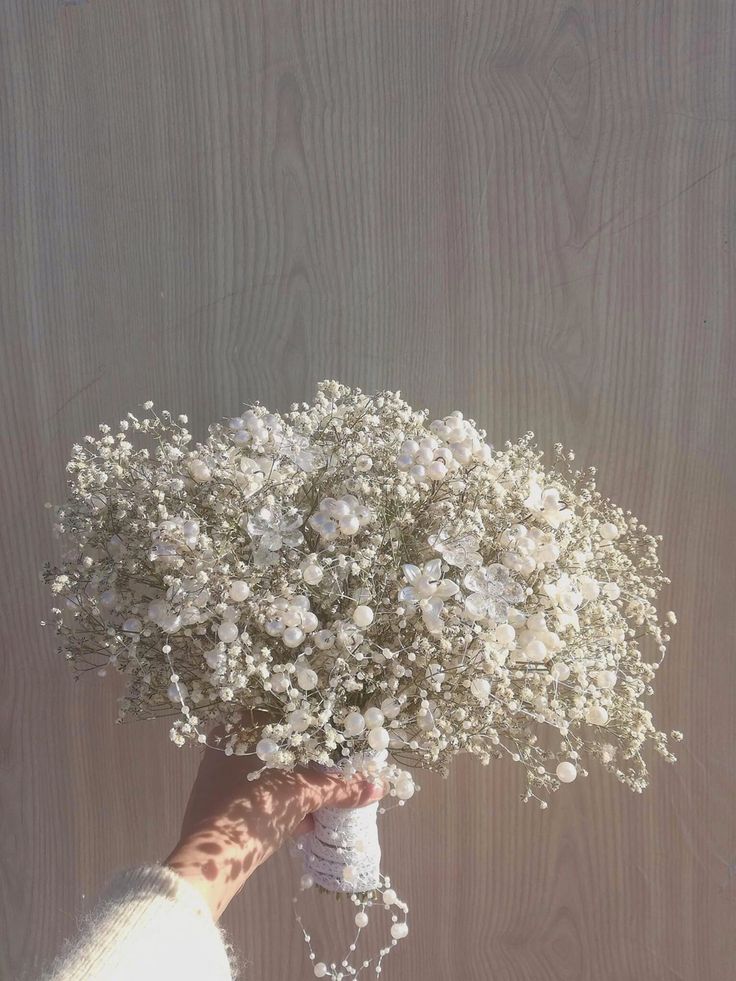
column 299, row 720
column 378, row 738
column 293, row 636
column 611, row 590
column 312, row 574
column 265, row 749
column 354, row 724
column 535, row 651
column 373, row 718
column 320, row 969
column 389, row 897
column 437, row 470
column 349, row 525
column 566, row 772
column 596, row 715
column 363, row 463
column 363, row 616
column 307, row 679
column 559, row 671
column 132, row 626
column 505, row 634
column 309, row 622
column 399, row 931
column 324, row 639
column 608, row 530
column 480, row 687
column 404, row 788
column 227, row 631
column 274, row 628
column 361, row 920
column 418, row 472
column 307, row 881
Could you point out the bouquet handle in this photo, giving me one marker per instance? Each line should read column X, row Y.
column 343, row 853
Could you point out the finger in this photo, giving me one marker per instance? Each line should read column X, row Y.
column 305, row 827
column 336, row 791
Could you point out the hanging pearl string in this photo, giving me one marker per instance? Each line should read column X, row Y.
column 399, row 929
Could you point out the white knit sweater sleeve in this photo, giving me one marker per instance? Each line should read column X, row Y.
column 149, row 924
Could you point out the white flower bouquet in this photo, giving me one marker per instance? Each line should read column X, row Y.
column 384, row 592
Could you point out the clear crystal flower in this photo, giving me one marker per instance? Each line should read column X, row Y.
column 492, row 591
column 297, row 448
column 427, row 590
column 273, row 530
column 545, row 503
column 456, row 549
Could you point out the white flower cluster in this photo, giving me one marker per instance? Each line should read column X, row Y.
column 344, row 580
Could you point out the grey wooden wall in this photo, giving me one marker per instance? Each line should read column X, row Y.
column 525, row 210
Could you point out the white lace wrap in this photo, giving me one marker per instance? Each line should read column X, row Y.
column 344, row 838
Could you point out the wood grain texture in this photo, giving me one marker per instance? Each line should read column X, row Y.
column 521, row 209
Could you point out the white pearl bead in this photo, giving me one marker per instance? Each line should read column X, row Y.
column 608, row 530
column 373, row 718
column 363, row 463
column 361, row 920
column 399, row 931
column 437, row 470
column 324, row 639
column 378, row 738
column 404, row 788
column 292, row 617
column 293, row 636
column 596, row 715
column 299, row 720
column 313, row 574
column 320, row 969
column 363, row 616
column 418, row 472
column 227, row 631
column 309, row 621
column 274, row 628
column 559, row 671
column 505, row 634
column 389, row 897
column 611, row 590
column 480, row 687
column 307, row 881
column 354, row 724
column 535, row 651
column 265, row 749
column 132, row 626
column 307, row 679
column 566, row 772
column 349, row 525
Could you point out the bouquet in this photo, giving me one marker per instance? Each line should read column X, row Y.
column 383, row 593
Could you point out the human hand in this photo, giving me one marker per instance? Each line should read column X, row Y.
column 232, row 825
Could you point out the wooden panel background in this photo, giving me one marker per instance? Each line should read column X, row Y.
column 521, row 209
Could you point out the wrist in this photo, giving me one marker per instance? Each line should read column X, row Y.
column 214, row 865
